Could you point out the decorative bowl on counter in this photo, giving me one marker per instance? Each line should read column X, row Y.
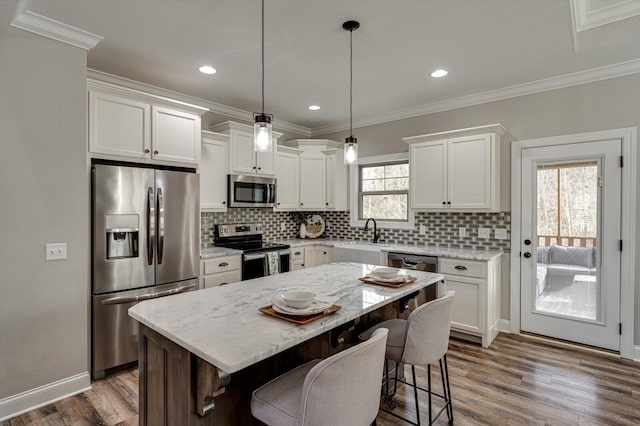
column 298, row 299
column 386, row 273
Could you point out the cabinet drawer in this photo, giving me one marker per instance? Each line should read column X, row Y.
column 222, row 278
column 465, row 268
column 221, row 264
column 297, row 253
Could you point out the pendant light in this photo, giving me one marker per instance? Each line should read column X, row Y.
column 262, row 140
column 351, row 143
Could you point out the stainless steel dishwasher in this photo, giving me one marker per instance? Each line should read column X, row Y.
column 418, row 262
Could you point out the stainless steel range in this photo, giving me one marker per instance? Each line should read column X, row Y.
column 248, row 238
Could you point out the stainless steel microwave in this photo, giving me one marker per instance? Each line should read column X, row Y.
column 251, row 191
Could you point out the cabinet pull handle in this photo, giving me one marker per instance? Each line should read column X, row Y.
column 444, row 203
column 254, row 167
column 302, row 204
column 278, row 203
column 448, row 202
column 223, row 264
column 297, row 253
column 259, row 168
column 155, row 152
column 224, row 202
column 146, row 151
column 461, row 268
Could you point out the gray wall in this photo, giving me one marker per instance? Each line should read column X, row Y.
column 590, row 107
column 44, row 198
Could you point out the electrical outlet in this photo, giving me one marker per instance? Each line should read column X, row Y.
column 500, row 233
column 483, row 232
column 283, row 226
column 56, row 251
column 423, row 230
column 462, row 232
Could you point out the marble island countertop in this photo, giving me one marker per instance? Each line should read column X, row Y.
column 222, row 325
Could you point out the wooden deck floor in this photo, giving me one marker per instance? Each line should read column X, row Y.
column 516, row 381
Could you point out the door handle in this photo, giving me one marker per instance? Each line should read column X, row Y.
column 160, row 225
column 461, row 268
column 128, row 299
column 150, row 225
column 527, row 254
column 527, row 242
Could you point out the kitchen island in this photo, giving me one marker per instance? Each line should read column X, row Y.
column 203, row 352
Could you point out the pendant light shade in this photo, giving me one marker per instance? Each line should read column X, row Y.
column 262, row 136
column 351, row 143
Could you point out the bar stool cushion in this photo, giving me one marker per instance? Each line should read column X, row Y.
column 279, row 401
column 395, row 339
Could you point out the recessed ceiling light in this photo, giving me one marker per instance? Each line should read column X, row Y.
column 313, row 107
column 207, row 69
column 439, row 73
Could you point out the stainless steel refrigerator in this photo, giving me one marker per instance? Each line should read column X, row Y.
column 145, row 244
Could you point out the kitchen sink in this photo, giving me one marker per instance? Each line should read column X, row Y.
column 360, row 253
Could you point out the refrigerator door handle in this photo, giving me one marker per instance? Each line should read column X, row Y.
column 128, row 299
column 151, row 214
column 160, row 226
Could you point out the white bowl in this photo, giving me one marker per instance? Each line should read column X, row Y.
column 386, row 273
column 298, row 299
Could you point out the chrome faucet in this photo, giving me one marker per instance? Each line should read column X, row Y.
column 376, row 233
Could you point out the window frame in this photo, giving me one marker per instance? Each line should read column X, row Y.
column 361, row 193
column 355, row 198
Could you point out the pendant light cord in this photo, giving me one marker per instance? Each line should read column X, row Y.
column 262, row 56
column 351, row 83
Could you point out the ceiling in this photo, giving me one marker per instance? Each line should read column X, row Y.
column 485, row 45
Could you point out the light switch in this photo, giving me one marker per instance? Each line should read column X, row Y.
column 56, row 251
column 501, row 233
column 423, row 230
column 483, row 232
column 462, row 232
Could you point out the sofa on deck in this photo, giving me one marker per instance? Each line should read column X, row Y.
column 557, row 265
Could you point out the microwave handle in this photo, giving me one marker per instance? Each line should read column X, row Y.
column 272, row 193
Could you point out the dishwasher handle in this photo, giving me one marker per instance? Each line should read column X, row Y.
column 118, row 300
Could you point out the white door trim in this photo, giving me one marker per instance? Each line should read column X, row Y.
column 628, row 223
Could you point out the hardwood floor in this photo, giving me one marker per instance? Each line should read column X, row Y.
column 515, row 381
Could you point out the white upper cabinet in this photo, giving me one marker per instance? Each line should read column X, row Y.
column 323, row 175
column 456, row 170
column 312, row 181
column 129, row 123
column 213, row 172
column 243, row 160
column 287, row 178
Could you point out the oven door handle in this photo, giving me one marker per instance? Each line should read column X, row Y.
column 254, row 256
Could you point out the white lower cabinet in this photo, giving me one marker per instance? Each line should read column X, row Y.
column 309, row 256
column 476, row 306
column 220, row 270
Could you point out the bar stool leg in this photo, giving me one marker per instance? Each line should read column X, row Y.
column 415, row 394
column 448, row 391
column 444, row 388
column 429, row 391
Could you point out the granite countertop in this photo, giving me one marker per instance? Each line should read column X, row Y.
column 211, row 252
column 222, row 325
column 441, row 251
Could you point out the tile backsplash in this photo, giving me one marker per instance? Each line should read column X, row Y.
column 441, row 228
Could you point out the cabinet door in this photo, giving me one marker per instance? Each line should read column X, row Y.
column 330, row 202
column 468, row 314
column 243, row 157
column 287, row 181
column 469, row 172
column 428, row 175
column 310, row 258
column 265, row 162
column 119, row 126
column 312, row 182
column 176, row 135
column 213, row 175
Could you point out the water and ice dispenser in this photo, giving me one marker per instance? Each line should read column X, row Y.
column 122, row 236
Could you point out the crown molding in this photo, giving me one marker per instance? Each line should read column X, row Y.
column 574, row 79
column 586, row 18
column 214, row 107
column 38, row 24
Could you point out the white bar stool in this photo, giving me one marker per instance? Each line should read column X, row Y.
column 340, row 390
column 422, row 339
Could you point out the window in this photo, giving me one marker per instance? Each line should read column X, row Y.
column 384, row 191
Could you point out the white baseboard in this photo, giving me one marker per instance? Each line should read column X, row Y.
column 505, row 326
column 636, row 353
column 35, row 398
